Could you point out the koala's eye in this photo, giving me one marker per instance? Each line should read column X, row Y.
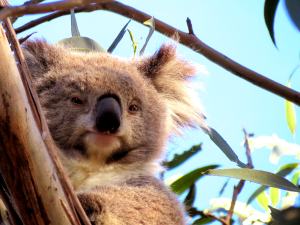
column 133, row 108
column 76, row 101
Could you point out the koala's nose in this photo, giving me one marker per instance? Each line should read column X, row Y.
column 108, row 114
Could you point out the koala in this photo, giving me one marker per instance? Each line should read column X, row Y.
column 111, row 119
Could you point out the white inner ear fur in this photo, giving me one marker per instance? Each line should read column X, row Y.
column 184, row 107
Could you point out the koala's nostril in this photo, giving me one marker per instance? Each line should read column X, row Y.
column 108, row 114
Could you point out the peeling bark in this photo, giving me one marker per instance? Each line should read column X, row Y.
column 28, row 173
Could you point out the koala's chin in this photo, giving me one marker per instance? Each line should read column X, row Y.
column 100, row 146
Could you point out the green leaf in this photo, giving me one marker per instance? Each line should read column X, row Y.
column 184, row 182
column 190, row 198
column 204, row 220
column 74, row 27
column 23, row 39
column 257, row 176
column 256, row 193
column 287, row 169
column 283, row 171
column 290, row 114
column 293, row 8
column 224, row 187
column 134, row 43
column 150, row 23
column 274, row 196
column 276, row 214
column 118, row 38
column 181, row 158
column 269, row 14
column 194, row 212
column 82, row 44
column 263, row 201
column 295, row 178
column 33, row 2
column 224, row 146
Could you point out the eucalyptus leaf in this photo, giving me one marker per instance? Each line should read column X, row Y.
column 269, row 14
column 293, row 9
column 276, row 214
column 257, row 176
column 224, row 146
column 118, row 38
column 151, row 24
column 256, row 193
column 295, row 178
column 287, row 169
column 274, row 196
column 74, row 27
column 283, row 171
column 224, row 187
column 193, row 212
column 263, row 200
column 33, row 2
column 184, row 182
column 202, row 221
column 290, row 114
column 82, row 44
column 133, row 41
column 190, row 197
column 181, row 158
column 23, row 39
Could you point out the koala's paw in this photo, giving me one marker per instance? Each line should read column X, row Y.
column 91, row 206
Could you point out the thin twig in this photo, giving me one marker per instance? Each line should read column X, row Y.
column 248, row 150
column 237, row 189
column 14, row 11
column 186, row 39
column 190, row 26
column 210, row 215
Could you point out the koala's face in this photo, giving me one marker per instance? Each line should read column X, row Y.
column 106, row 109
column 103, row 110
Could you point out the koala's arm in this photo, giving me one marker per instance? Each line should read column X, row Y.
column 138, row 202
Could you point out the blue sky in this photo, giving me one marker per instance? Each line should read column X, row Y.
column 235, row 28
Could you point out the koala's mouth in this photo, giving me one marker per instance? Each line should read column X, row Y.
column 105, row 148
column 117, row 156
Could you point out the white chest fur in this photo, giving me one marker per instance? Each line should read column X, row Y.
column 86, row 175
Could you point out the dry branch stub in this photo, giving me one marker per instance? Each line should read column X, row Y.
column 24, row 161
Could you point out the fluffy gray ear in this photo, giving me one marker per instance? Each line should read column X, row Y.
column 40, row 56
column 170, row 76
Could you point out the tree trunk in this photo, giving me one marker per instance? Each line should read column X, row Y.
column 29, row 176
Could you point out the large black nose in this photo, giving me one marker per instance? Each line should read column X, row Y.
column 108, row 114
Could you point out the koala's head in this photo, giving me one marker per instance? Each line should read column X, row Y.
column 110, row 110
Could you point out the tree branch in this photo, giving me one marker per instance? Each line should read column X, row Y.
column 190, row 26
column 39, row 189
column 30, row 8
column 248, row 150
column 186, row 39
column 237, row 189
column 21, row 147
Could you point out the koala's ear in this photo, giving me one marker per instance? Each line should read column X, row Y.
column 170, row 76
column 40, row 56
